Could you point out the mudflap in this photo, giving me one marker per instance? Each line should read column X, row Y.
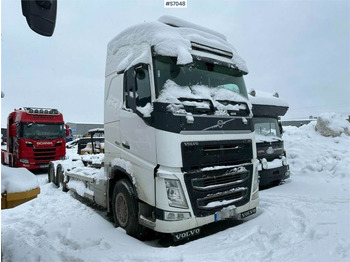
column 179, row 236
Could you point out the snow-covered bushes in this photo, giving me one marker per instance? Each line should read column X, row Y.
column 331, row 124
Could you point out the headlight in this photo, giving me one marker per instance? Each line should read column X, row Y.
column 176, row 216
column 264, row 163
column 24, row 161
column 284, row 161
column 29, row 144
column 256, row 179
column 176, row 197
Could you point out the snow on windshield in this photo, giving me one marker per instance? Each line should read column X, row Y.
column 133, row 44
column 176, row 96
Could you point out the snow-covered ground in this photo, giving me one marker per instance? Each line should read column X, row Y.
column 305, row 219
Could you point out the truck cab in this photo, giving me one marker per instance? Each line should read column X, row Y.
column 273, row 164
column 179, row 144
column 178, row 128
column 35, row 136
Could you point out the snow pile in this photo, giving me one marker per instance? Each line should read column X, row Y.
column 310, row 153
column 132, row 46
column 264, row 98
column 15, row 180
column 331, row 124
column 172, row 92
column 305, row 219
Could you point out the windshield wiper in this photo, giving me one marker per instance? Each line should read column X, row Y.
column 197, row 105
column 235, row 108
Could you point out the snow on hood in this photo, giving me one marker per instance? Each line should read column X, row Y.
column 171, row 93
column 264, row 98
column 132, row 45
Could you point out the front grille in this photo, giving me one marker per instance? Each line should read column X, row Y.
column 212, row 190
column 214, row 153
column 222, row 199
column 264, row 147
column 44, row 155
column 215, row 180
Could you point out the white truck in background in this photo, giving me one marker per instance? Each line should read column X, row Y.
column 179, row 143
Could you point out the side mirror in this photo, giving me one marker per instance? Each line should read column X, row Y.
column 67, row 130
column 40, row 15
column 130, row 88
column 13, row 130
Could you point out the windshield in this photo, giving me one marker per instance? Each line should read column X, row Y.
column 266, row 127
column 205, row 73
column 42, row 131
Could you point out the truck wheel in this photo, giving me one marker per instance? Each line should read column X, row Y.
column 51, row 174
column 125, row 209
column 60, row 178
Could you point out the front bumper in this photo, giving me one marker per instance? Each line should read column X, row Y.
column 227, row 187
column 268, row 176
column 195, row 222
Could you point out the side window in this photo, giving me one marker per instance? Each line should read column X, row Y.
column 137, row 89
column 143, row 94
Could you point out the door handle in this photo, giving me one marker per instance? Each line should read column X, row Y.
column 126, row 144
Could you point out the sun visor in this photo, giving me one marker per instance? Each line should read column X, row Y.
column 269, row 110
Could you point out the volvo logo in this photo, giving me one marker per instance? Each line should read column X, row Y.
column 220, row 124
column 191, row 143
column 186, row 234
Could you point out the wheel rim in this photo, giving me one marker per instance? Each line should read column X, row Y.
column 121, row 210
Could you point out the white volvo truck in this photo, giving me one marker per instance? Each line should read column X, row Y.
column 179, row 143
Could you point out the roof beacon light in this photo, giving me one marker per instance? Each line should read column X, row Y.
column 46, row 111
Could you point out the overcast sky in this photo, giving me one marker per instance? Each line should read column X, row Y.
column 300, row 49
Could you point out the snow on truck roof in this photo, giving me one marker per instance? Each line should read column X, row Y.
column 266, row 104
column 169, row 36
column 263, row 98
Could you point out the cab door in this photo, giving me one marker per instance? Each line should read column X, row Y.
column 137, row 136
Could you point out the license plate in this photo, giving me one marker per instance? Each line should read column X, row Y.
column 186, row 234
column 44, row 166
column 248, row 213
column 225, row 213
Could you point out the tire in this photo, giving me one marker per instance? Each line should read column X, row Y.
column 60, row 178
column 51, row 173
column 125, row 208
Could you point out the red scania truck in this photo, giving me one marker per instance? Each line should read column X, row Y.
column 35, row 136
